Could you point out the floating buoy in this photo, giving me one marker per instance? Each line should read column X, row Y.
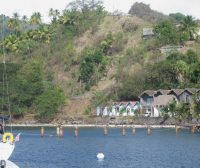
column 100, row 156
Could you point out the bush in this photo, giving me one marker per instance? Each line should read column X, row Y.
column 129, row 26
column 48, row 103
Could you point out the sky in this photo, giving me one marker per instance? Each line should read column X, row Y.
column 27, row 7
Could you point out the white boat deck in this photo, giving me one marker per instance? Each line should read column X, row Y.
column 10, row 164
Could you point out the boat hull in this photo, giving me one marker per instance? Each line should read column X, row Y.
column 6, row 149
column 10, row 164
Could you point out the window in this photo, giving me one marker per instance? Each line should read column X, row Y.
column 149, row 100
column 187, row 99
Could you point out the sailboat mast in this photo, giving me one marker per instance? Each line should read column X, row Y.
column 5, row 78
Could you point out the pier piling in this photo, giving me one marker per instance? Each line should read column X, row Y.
column 193, row 129
column 148, row 130
column 58, row 131
column 61, row 132
column 42, row 132
column 123, row 131
column 177, row 128
column 105, row 130
column 133, row 130
column 76, row 131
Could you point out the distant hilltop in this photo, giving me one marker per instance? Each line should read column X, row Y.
column 144, row 11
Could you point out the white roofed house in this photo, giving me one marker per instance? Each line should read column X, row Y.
column 125, row 108
column 115, row 109
column 132, row 107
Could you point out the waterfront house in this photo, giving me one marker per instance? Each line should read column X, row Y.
column 132, row 107
column 184, row 95
column 102, row 111
column 119, row 109
column 160, row 102
column 146, row 101
column 153, row 101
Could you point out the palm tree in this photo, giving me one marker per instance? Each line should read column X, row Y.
column 36, row 18
column 24, row 18
column 13, row 24
column 57, row 13
column 189, row 26
column 54, row 14
column 16, row 16
column 51, row 12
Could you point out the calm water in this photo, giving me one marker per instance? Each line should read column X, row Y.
column 162, row 149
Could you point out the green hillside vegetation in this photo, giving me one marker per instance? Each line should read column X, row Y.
column 87, row 57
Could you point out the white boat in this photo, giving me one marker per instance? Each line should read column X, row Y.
column 10, row 164
column 7, row 146
column 6, row 150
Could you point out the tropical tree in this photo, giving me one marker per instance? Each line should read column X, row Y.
column 13, row 23
column 16, row 16
column 24, row 18
column 48, row 103
column 54, row 14
column 189, row 26
column 181, row 69
column 36, row 18
column 166, row 33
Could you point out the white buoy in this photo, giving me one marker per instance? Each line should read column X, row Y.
column 100, row 156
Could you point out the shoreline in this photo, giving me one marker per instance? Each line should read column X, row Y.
column 95, row 126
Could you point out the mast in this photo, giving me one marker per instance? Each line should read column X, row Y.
column 5, row 79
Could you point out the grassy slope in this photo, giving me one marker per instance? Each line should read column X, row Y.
column 77, row 106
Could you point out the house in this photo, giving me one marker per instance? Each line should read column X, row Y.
column 115, row 109
column 176, row 93
column 170, row 49
column 119, row 108
column 148, row 33
column 184, row 95
column 160, row 102
column 153, row 101
column 132, row 107
column 146, row 100
column 128, row 108
column 102, row 111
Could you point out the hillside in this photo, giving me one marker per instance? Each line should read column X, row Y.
column 64, row 70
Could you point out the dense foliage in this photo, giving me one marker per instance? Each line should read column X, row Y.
column 32, row 85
